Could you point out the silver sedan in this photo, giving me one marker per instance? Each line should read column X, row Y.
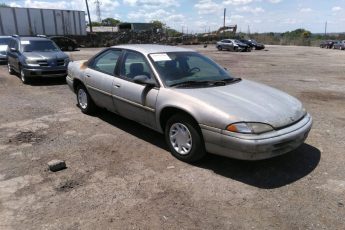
column 197, row 104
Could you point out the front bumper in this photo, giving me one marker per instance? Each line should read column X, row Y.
column 56, row 71
column 257, row 147
column 69, row 81
column 3, row 58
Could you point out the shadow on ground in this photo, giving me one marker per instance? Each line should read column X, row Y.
column 48, row 81
column 266, row 174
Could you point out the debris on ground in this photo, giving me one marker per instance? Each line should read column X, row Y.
column 56, row 165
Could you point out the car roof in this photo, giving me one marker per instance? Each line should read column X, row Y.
column 152, row 48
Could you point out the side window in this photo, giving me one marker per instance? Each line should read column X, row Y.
column 106, row 62
column 16, row 45
column 134, row 64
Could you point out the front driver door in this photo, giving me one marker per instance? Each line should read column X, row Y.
column 99, row 77
column 132, row 100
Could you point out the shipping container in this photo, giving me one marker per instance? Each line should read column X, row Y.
column 33, row 21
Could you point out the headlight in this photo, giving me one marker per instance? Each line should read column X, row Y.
column 249, row 128
column 31, row 62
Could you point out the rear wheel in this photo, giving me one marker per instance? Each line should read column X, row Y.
column 10, row 70
column 84, row 100
column 70, row 48
column 184, row 138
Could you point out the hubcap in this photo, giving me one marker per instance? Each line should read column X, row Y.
column 180, row 138
column 82, row 98
column 22, row 76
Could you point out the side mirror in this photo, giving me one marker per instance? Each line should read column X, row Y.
column 13, row 50
column 144, row 80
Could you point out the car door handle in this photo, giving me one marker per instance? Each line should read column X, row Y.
column 117, row 86
column 88, row 75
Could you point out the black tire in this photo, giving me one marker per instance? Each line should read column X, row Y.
column 10, row 70
column 220, row 48
column 197, row 150
column 25, row 79
column 85, row 102
column 70, row 48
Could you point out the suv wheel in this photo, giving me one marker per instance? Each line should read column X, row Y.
column 70, row 48
column 84, row 100
column 23, row 77
column 184, row 138
column 10, row 70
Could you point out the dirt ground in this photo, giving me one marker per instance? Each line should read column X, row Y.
column 120, row 175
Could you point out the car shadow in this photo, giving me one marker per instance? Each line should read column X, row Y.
column 133, row 128
column 265, row 174
column 49, row 81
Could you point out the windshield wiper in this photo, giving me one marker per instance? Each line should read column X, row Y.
column 215, row 83
column 189, row 83
column 232, row 80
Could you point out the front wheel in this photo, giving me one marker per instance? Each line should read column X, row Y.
column 184, row 138
column 25, row 79
column 84, row 100
column 220, row 48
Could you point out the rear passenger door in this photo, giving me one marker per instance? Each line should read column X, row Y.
column 99, row 78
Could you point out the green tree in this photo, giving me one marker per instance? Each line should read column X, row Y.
column 110, row 22
column 4, row 5
column 158, row 24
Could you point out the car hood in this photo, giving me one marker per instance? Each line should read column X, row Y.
column 45, row 55
column 3, row 47
column 250, row 102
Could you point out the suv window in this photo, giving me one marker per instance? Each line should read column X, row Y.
column 106, row 62
column 38, row 46
column 135, row 64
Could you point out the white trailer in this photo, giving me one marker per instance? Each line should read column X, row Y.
column 32, row 21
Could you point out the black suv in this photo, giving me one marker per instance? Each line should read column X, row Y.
column 36, row 57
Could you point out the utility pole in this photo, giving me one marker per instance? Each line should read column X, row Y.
column 98, row 10
column 248, row 31
column 224, row 17
column 325, row 28
column 88, row 14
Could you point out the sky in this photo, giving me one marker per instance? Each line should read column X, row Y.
column 204, row 15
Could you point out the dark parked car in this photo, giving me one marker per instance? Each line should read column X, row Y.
column 65, row 43
column 33, row 57
column 339, row 45
column 232, row 45
column 328, row 44
column 253, row 44
column 4, row 41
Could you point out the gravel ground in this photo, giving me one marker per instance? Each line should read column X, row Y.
column 120, row 175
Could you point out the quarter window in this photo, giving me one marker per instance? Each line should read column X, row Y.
column 106, row 62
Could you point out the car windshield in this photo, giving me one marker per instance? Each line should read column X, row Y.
column 39, row 46
column 4, row 41
column 176, row 68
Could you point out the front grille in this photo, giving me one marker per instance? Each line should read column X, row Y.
column 290, row 124
column 42, row 62
column 60, row 62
